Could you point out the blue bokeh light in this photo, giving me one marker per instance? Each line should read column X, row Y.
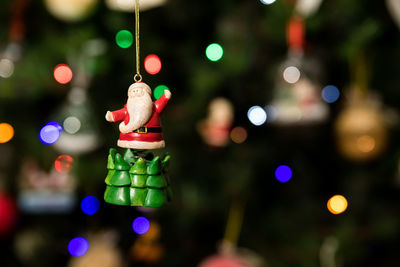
column 78, row 246
column 330, row 93
column 50, row 133
column 90, row 205
column 283, row 173
column 141, row 225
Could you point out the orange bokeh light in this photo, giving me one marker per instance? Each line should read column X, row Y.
column 63, row 163
column 337, row 204
column 6, row 132
column 63, row 73
column 238, row 135
column 152, row 64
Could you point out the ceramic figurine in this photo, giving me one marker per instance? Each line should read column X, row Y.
column 135, row 181
column 140, row 125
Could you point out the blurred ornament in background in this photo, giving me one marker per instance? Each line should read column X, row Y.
column 394, row 9
column 297, row 98
column 8, row 214
column 147, row 247
column 361, row 130
column 71, row 10
column 234, row 257
column 42, row 192
column 215, row 129
column 129, row 6
column 103, row 252
column 239, row 134
column 80, row 133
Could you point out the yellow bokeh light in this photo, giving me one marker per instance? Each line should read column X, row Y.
column 365, row 143
column 337, row 204
column 6, row 132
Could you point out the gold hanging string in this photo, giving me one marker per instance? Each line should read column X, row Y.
column 138, row 77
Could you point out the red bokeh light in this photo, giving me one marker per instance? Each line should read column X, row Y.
column 63, row 73
column 63, row 163
column 152, row 64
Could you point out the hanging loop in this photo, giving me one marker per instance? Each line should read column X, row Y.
column 137, row 78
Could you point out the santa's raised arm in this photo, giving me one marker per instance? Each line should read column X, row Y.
column 140, row 125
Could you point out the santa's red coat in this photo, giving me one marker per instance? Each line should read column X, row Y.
column 154, row 121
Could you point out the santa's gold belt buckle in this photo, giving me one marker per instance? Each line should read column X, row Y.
column 140, row 130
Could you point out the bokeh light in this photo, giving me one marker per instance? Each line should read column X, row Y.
column 90, row 205
column 141, row 225
column 257, row 115
column 238, row 134
column 124, row 39
column 55, row 124
column 337, row 204
column 50, row 133
column 6, row 68
column 6, row 132
column 214, row 52
column 63, row 73
column 267, row 2
column 366, row 143
column 159, row 91
column 63, row 163
column 72, row 125
column 330, row 94
column 152, row 64
column 78, row 246
column 283, row 173
column 291, row 74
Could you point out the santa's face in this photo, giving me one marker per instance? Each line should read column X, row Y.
column 135, row 91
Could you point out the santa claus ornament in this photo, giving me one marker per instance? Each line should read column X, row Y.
column 138, row 178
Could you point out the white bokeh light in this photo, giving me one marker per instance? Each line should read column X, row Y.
column 6, row 68
column 267, row 2
column 72, row 125
column 291, row 74
column 257, row 115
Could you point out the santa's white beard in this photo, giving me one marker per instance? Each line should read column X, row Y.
column 139, row 110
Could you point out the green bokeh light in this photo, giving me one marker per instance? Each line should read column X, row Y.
column 214, row 52
column 124, row 39
column 159, row 91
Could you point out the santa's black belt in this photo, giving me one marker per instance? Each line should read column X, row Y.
column 148, row 130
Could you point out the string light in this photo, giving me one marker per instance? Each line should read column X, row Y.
column 90, row 205
column 159, row 91
column 6, row 132
column 62, row 73
column 267, row 2
column 238, row 134
column 78, row 246
column 337, row 204
column 50, row 133
column 291, row 74
column 72, row 125
column 152, row 64
column 257, row 115
column 283, row 173
column 124, row 39
column 63, row 163
column 6, row 68
column 214, row 52
column 141, row 225
column 330, row 94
